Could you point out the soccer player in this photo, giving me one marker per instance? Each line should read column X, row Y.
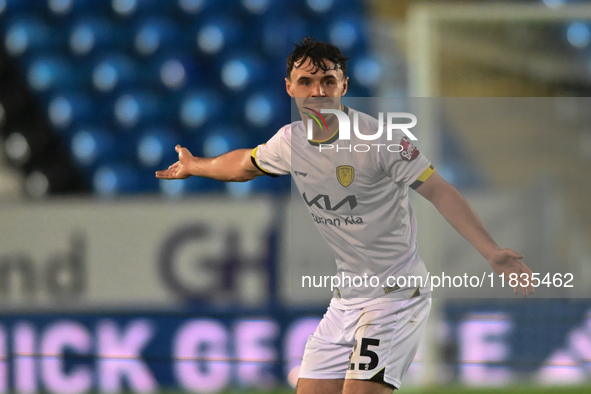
column 359, row 201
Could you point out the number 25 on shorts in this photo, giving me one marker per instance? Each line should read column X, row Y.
column 365, row 352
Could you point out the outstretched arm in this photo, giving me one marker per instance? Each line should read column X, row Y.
column 234, row 166
column 458, row 212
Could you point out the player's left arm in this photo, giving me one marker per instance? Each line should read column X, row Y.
column 462, row 217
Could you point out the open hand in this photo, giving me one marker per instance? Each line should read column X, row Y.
column 180, row 169
column 507, row 262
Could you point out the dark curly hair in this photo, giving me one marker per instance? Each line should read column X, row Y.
column 317, row 52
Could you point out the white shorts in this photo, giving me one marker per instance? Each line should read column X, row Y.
column 377, row 342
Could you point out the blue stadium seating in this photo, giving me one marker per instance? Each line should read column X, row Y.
column 123, row 81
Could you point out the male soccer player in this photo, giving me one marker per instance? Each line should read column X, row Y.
column 359, row 200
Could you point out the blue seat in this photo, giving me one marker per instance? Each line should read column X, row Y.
column 367, row 71
column 134, row 110
column 278, row 36
column 175, row 71
column 94, row 35
column 157, row 35
column 47, row 74
column 25, row 36
column 133, row 9
column 70, row 110
column 218, row 35
column 122, row 178
column 347, row 32
column 199, row 108
column 91, row 147
column 68, row 8
column 155, row 148
column 221, row 139
column 114, row 72
column 239, row 72
column 196, row 9
column 263, row 112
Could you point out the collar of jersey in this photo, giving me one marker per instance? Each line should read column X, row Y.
column 333, row 137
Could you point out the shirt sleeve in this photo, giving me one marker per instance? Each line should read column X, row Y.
column 406, row 164
column 269, row 157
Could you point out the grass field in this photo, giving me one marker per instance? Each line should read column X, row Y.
column 450, row 390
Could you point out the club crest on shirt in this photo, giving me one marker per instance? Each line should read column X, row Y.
column 345, row 175
column 409, row 152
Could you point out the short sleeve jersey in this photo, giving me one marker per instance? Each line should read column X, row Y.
column 357, row 195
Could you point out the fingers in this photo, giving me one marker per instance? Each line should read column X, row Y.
column 170, row 173
column 165, row 174
column 178, row 148
column 514, row 254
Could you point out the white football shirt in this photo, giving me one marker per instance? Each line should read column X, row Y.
column 359, row 202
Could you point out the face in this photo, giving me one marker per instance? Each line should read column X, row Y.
column 316, row 88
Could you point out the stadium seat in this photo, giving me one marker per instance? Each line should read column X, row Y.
column 24, row 36
column 174, row 71
column 91, row 147
column 94, row 35
column 200, row 108
column 155, row 35
column 347, row 33
column 47, row 74
column 114, row 72
column 155, row 148
column 242, row 71
column 218, row 35
column 67, row 8
column 133, row 110
column 222, row 139
column 122, row 178
column 68, row 110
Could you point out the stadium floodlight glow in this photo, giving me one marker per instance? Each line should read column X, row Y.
column 368, row 71
column 173, row 74
column 258, row 7
column 2, row 6
column 37, row 184
column 191, row 6
column 320, row 6
column 124, row 7
column 259, row 110
column 344, row 34
column 17, row 148
column 60, row 112
column 60, row 7
column 210, row 39
column 82, row 39
column 578, row 35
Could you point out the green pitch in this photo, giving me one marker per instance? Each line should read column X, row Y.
column 448, row 390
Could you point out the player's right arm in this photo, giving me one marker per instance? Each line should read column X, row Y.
column 234, row 166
